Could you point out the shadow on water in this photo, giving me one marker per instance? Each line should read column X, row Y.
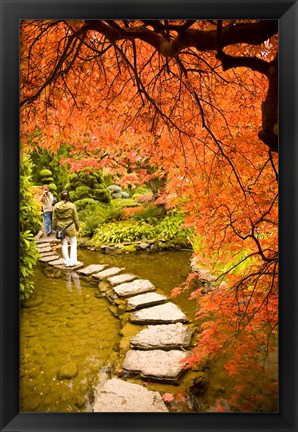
column 69, row 338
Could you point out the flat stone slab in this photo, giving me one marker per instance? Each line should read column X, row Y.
column 47, row 254
column 137, row 286
column 92, row 268
column 49, row 259
column 144, row 300
column 44, row 240
column 63, row 266
column 59, row 263
column 119, row 279
column 107, row 273
column 167, row 313
column 156, row 365
column 121, row 396
column 165, row 336
column 45, row 249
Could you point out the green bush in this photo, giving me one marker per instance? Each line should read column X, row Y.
column 47, row 180
column 30, row 224
column 45, row 173
column 123, row 232
column 82, row 192
column 92, row 220
column 93, row 216
column 52, row 187
column 85, row 203
column 88, row 183
column 149, row 214
column 102, row 195
column 170, row 227
column 119, row 202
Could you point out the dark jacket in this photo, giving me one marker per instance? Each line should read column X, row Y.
column 64, row 213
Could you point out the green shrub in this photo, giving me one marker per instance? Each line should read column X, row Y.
column 82, row 192
column 47, row 180
column 92, row 220
column 149, row 214
column 30, row 224
column 88, row 183
column 85, row 203
column 123, row 232
column 93, row 216
column 170, row 227
column 45, row 173
column 52, row 187
column 119, row 202
column 102, row 195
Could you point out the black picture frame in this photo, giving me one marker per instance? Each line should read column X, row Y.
column 286, row 13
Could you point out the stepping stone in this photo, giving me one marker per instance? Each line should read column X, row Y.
column 49, row 259
column 63, row 266
column 119, row 279
column 59, row 261
column 137, row 286
column 158, row 365
column 107, row 273
column 44, row 240
column 167, row 313
column 165, row 336
column 121, row 396
column 45, row 254
column 144, row 300
column 43, row 245
column 92, row 268
column 45, row 249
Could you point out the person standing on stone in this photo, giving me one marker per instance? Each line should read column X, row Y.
column 47, row 208
column 65, row 216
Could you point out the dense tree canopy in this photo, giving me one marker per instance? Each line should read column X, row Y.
column 194, row 102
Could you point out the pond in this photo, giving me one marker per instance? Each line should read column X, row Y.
column 69, row 338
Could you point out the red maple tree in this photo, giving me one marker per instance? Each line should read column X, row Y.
column 195, row 103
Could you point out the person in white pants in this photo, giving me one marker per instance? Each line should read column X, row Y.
column 65, row 216
column 71, row 260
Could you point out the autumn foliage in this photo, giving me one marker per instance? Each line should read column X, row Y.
column 181, row 103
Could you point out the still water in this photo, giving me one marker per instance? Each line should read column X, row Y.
column 69, row 338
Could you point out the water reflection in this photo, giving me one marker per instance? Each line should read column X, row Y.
column 73, row 282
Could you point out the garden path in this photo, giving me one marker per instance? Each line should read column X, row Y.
column 155, row 352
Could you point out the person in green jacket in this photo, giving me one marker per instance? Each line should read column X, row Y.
column 65, row 215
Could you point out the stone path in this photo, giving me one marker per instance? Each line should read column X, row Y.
column 153, row 353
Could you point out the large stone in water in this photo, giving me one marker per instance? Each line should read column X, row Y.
column 137, row 286
column 165, row 336
column 107, row 273
column 119, row 279
column 167, row 313
column 48, row 259
column 121, row 396
column 92, row 268
column 159, row 365
column 68, row 371
column 147, row 299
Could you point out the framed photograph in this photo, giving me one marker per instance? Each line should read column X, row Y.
column 140, row 129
